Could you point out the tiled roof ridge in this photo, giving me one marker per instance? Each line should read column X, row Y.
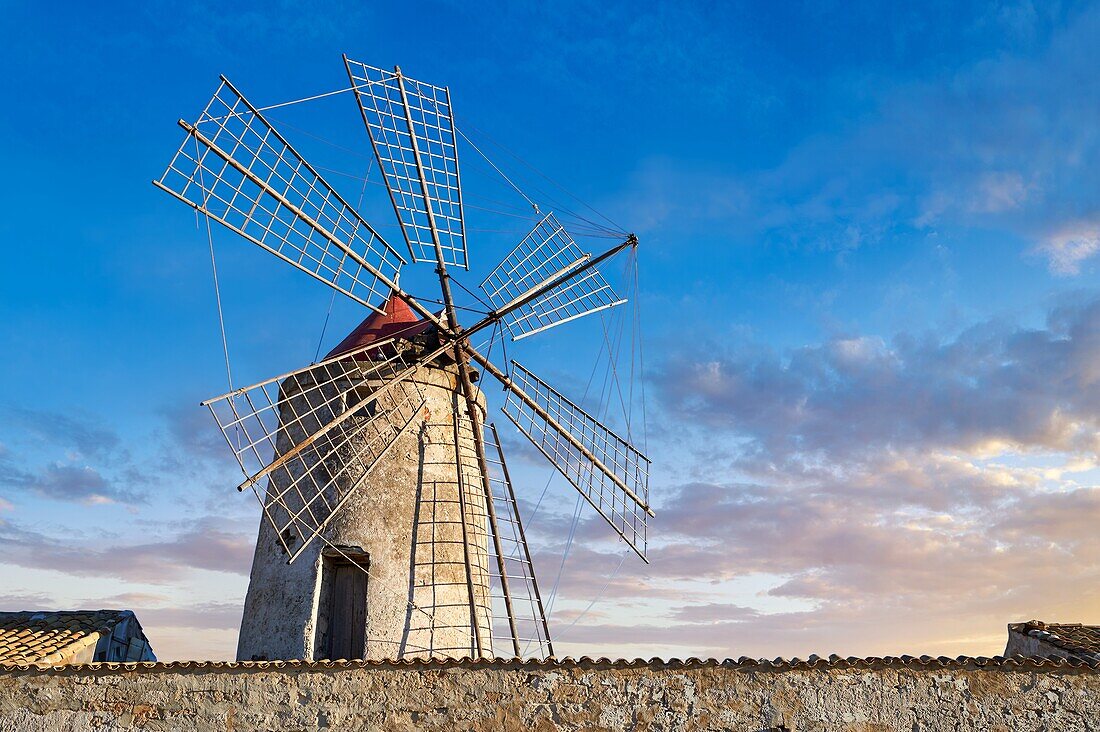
column 1000, row 663
column 100, row 611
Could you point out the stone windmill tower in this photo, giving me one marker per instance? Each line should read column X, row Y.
column 390, row 526
column 412, row 531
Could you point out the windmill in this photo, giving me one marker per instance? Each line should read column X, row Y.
column 390, row 525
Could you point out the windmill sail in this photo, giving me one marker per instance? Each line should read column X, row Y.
column 523, row 618
column 234, row 167
column 315, row 428
column 545, row 253
column 607, row 470
column 412, row 130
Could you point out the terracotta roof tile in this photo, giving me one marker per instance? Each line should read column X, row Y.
column 1076, row 638
column 47, row 637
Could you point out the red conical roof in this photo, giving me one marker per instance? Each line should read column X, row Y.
column 399, row 320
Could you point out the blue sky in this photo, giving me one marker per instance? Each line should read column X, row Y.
column 869, row 247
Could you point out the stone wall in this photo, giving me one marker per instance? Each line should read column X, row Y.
column 856, row 694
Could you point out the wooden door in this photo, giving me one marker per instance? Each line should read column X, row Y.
column 348, row 620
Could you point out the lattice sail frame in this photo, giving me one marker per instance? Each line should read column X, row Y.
column 298, row 431
column 602, row 485
column 528, row 613
column 412, row 131
column 236, row 168
column 546, row 252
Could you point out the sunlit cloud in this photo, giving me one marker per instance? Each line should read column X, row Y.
column 207, row 543
column 878, row 479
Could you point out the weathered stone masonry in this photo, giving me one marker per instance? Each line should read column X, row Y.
column 908, row 694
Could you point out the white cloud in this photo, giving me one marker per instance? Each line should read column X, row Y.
column 998, row 192
column 1068, row 249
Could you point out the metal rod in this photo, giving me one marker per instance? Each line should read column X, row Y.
column 580, row 490
column 560, row 279
column 487, row 488
column 522, row 538
column 465, row 538
column 555, row 281
column 511, row 386
column 270, row 190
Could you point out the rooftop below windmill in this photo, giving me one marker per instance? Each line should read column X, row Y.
column 1054, row 640
column 76, row 636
